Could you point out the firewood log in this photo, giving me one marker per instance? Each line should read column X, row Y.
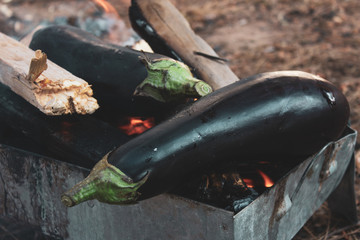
column 82, row 140
column 44, row 84
column 167, row 32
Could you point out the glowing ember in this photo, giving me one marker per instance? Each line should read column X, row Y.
column 137, row 125
column 267, row 181
column 249, row 182
column 108, row 8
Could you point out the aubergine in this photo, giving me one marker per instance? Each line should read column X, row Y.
column 286, row 113
column 140, row 24
column 115, row 72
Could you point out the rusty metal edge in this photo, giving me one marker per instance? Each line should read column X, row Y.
column 218, row 223
column 261, row 225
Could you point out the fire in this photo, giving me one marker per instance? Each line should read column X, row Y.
column 267, row 181
column 249, row 182
column 137, row 125
column 108, row 8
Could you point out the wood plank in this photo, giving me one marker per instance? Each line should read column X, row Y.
column 160, row 18
column 45, row 85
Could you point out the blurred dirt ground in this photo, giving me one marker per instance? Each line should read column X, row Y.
column 317, row 36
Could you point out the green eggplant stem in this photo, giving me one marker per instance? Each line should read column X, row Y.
column 170, row 80
column 107, row 184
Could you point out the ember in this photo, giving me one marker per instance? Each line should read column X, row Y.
column 249, row 182
column 108, row 8
column 137, row 125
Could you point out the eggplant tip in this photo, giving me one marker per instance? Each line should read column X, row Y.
column 67, row 201
column 203, row 89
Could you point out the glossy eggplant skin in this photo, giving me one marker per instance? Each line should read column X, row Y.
column 288, row 113
column 142, row 27
column 113, row 71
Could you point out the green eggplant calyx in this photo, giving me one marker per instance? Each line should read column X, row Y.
column 107, row 184
column 170, row 80
column 203, row 88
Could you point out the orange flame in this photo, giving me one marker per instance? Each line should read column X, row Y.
column 137, row 125
column 249, row 182
column 108, row 8
column 267, row 180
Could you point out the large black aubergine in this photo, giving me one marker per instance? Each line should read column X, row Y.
column 114, row 71
column 286, row 113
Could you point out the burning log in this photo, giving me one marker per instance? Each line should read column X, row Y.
column 235, row 184
column 82, row 140
column 167, row 32
column 42, row 83
column 281, row 114
column 137, row 125
column 115, row 72
column 224, row 188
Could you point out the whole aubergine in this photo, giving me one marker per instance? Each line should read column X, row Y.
column 116, row 73
column 286, row 113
